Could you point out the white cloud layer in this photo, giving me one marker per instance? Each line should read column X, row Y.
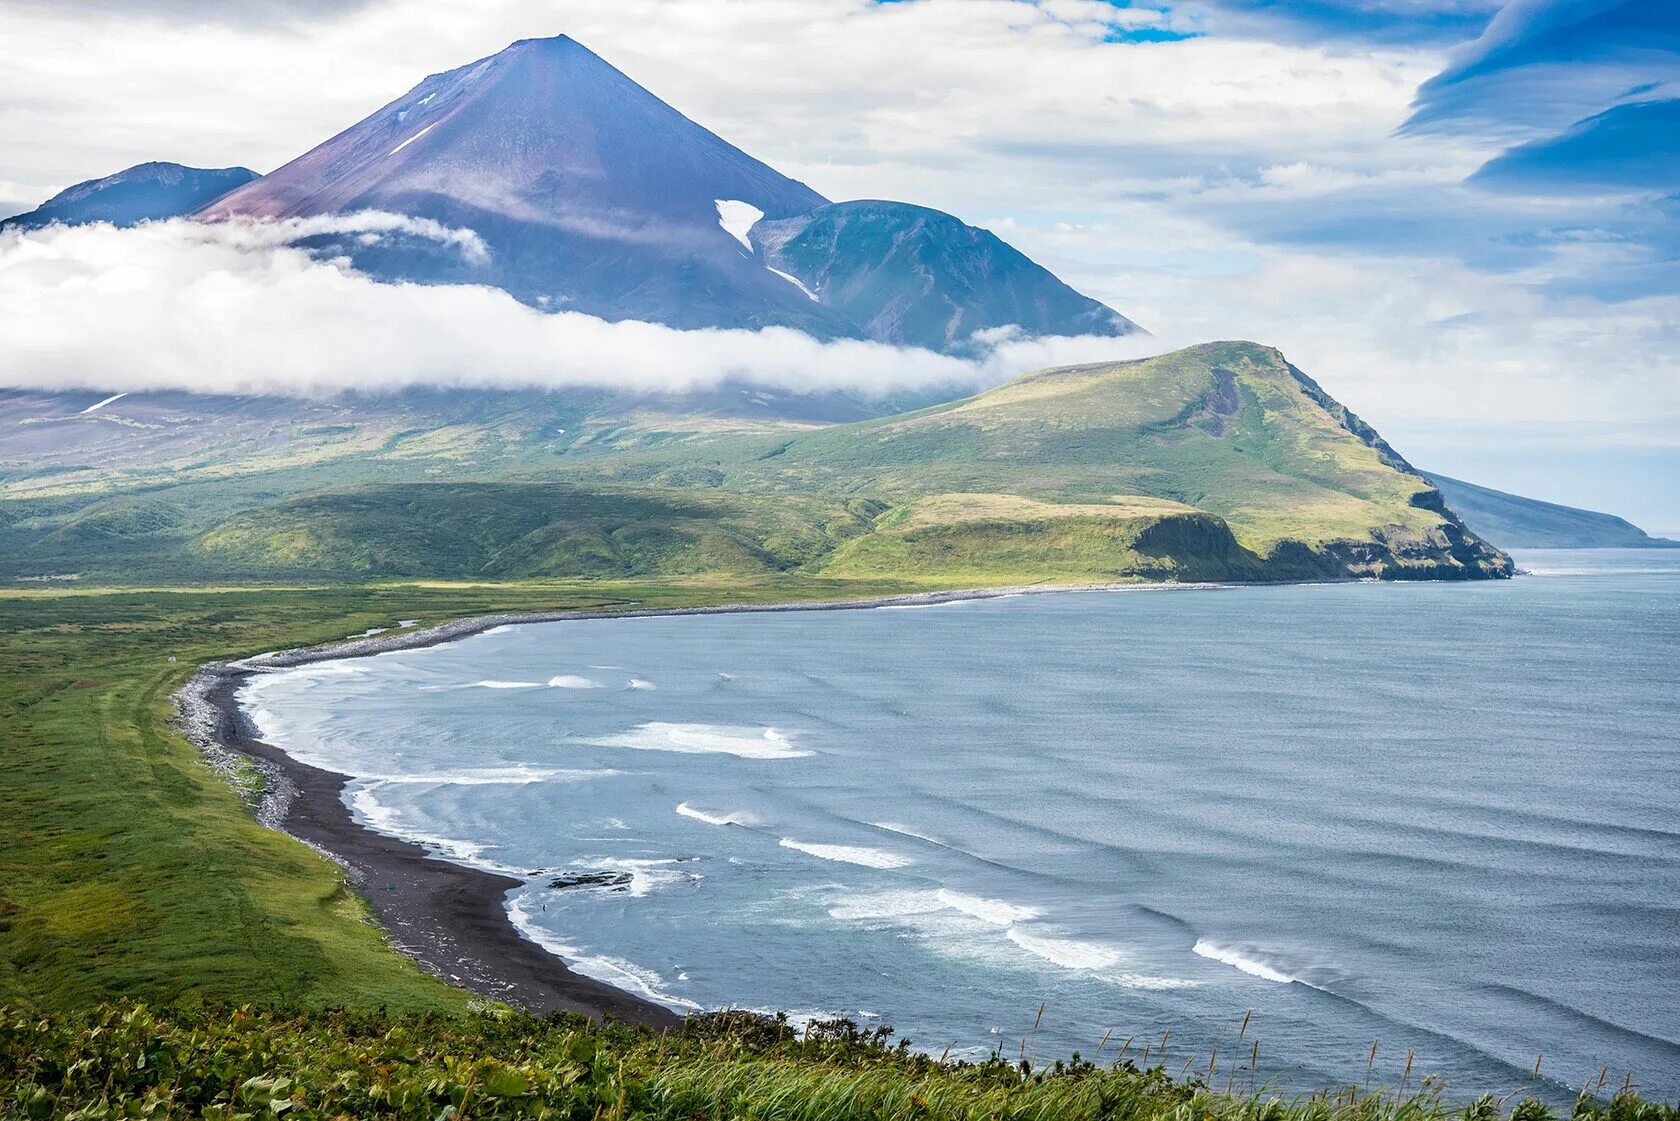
column 1221, row 186
column 235, row 307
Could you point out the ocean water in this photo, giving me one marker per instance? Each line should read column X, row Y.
column 1437, row 818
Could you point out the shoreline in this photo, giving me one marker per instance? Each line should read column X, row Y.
column 450, row 918
column 420, row 637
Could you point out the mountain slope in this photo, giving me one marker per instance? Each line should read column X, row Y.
column 592, row 194
column 919, row 277
column 1219, row 462
column 1231, row 431
column 498, row 531
column 595, row 196
column 1527, row 523
column 140, row 193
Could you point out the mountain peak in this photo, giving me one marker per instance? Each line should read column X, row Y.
column 146, row 191
column 593, row 195
column 550, row 42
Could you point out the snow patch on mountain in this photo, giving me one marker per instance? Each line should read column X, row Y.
column 737, row 218
column 413, row 138
column 97, row 405
column 794, row 280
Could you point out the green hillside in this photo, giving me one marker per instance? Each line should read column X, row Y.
column 1514, row 522
column 511, row 531
column 1219, row 462
column 918, row 277
column 1230, row 430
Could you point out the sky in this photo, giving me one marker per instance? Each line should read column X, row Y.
column 1458, row 215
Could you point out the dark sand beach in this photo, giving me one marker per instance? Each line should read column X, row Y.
column 447, row 916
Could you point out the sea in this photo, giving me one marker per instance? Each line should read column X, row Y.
column 1305, row 836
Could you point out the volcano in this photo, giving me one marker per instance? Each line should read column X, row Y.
column 593, row 195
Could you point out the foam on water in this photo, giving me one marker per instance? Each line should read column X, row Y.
column 518, row 775
column 727, row 817
column 602, row 967
column 315, row 671
column 572, row 681
column 942, row 928
column 921, row 606
column 982, row 932
column 704, row 739
column 1069, row 953
column 647, row 874
column 995, row 911
column 1244, row 960
column 491, row 683
column 848, row 854
column 642, row 683
column 376, row 815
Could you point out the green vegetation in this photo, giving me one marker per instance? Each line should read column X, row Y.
column 1231, row 430
column 133, row 873
column 510, row 532
column 1226, row 428
column 913, row 276
column 122, row 1062
column 130, row 869
column 1217, row 462
column 977, row 539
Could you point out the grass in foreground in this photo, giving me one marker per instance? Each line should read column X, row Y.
column 130, row 869
column 131, row 1061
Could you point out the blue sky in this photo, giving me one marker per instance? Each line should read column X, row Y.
column 1459, row 215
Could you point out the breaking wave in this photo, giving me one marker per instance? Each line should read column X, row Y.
column 728, row 817
column 704, row 739
column 1243, row 960
column 848, row 854
column 492, row 776
column 1069, row 953
column 995, row 911
column 602, row 967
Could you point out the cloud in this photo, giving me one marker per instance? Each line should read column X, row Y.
column 1633, row 147
column 1542, row 64
column 900, row 101
column 371, row 226
column 237, row 307
column 254, row 13
column 1180, row 182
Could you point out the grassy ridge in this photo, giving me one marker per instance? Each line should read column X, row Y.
column 1287, row 483
column 1227, row 428
column 132, row 870
column 132, row 1061
column 495, row 531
